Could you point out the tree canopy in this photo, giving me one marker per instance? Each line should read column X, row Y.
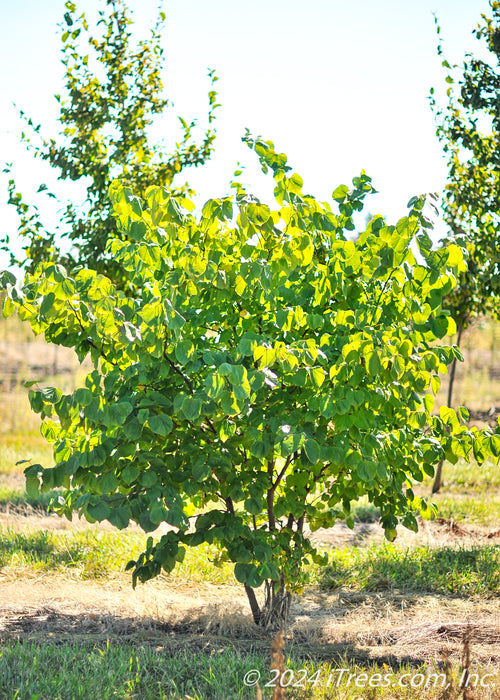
column 113, row 92
column 469, row 128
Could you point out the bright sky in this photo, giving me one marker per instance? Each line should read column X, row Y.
column 338, row 86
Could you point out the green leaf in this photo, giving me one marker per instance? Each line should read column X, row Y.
column 129, row 474
column 440, row 325
column 184, row 351
column 340, row 193
column 51, row 395
column 317, row 376
column 455, row 255
column 259, row 448
column 176, row 517
column 83, row 397
column 264, row 356
column 32, row 487
column 100, row 511
column 448, row 416
column 237, row 374
column 116, row 414
column 157, row 514
column 160, row 424
column 191, row 407
column 311, row 448
column 47, row 303
column 495, row 445
column 249, row 575
column 132, row 429
column 253, row 506
column 108, row 483
column 373, row 364
column 119, row 517
column 295, row 183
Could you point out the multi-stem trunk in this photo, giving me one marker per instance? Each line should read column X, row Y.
column 274, row 611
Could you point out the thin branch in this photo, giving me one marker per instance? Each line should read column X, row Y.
column 321, row 471
column 176, row 369
column 283, row 470
column 88, row 340
column 210, row 425
column 270, row 497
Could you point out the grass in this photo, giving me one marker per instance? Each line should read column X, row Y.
column 18, row 500
column 28, row 445
column 121, row 671
column 89, row 554
column 30, row 671
column 15, row 414
column 470, row 494
column 13, row 330
column 472, row 477
column 79, row 554
column 96, row 554
column 469, row 510
column 462, row 571
column 474, row 387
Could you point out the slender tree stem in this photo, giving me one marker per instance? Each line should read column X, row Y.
column 254, row 606
column 438, row 479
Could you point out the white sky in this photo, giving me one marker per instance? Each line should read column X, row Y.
column 338, row 86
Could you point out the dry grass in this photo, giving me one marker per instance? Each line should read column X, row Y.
column 368, row 628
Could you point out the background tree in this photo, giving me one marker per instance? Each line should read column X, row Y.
column 113, row 92
column 265, row 374
column 469, row 128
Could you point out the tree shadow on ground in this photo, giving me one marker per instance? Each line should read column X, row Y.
column 50, row 626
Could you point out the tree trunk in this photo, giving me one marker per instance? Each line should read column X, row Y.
column 274, row 612
column 438, row 479
column 254, row 606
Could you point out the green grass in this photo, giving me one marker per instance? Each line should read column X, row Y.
column 471, row 477
column 469, row 511
column 462, row 571
column 365, row 512
column 121, row 671
column 18, row 499
column 30, row 671
column 97, row 554
column 89, row 554
column 81, row 554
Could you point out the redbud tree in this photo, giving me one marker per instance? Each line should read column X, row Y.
column 266, row 374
